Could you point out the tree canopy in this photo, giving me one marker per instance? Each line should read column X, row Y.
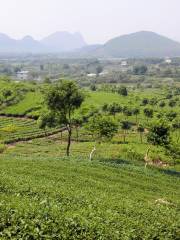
column 62, row 100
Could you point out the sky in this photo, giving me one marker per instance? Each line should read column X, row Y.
column 97, row 20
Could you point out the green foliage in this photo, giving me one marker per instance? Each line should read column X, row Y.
column 47, row 80
column 99, row 69
column 140, row 128
column 176, row 124
column 127, row 111
column 93, row 87
column 122, row 91
column 62, row 100
column 44, row 197
column 29, row 105
column 135, row 111
column 145, row 101
column 2, row 147
column 102, row 127
column 47, row 119
column 173, row 150
column 10, row 128
column 20, row 129
column 148, row 112
column 125, row 125
column 140, row 70
column 172, row 103
column 112, row 109
column 162, row 104
column 171, row 115
column 159, row 134
column 6, row 93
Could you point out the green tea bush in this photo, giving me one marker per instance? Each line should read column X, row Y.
column 2, row 147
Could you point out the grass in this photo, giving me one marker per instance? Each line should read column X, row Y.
column 16, row 129
column 47, row 196
column 31, row 102
column 99, row 98
column 31, row 105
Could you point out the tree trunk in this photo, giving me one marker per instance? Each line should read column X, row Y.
column 141, row 137
column 77, row 134
column 61, row 136
column 45, row 133
column 124, row 136
column 69, row 140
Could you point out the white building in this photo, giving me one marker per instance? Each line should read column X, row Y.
column 22, row 75
column 124, row 63
column 168, row 61
column 103, row 73
column 91, row 75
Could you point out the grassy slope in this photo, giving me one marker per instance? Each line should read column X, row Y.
column 31, row 101
column 46, row 196
column 14, row 129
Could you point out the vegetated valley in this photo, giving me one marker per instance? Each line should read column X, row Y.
column 89, row 149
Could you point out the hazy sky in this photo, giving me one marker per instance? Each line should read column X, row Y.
column 97, row 20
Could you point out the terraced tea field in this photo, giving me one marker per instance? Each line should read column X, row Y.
column 17, row 129
column 44, row 195
column 28, row 106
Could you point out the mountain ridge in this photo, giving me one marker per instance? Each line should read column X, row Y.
column 56, row 42
column 64, row 41
column 140, row 44
column 133, row 45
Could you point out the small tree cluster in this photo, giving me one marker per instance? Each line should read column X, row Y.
column 122, row 91
column 140, row 70
column 159, row 134
column 112, row 109
column 102, row 127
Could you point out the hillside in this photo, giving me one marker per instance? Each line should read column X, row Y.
column 140, row 44
column 24, row 45
column 63, row 41
column 45, row 196
column 57, row 42
column 136, row 45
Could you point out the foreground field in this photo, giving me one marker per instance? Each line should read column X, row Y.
column 44, row 195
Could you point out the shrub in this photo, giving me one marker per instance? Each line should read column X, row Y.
column 2, row 147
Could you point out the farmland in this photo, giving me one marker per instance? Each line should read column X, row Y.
column 45, row 194
column 19, row 129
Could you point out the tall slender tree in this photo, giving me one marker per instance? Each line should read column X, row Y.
column 62, row 100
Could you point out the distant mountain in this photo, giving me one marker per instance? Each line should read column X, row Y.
column 57, row 42
column 64, row 41
column 25, row 45
column 7, row 43
column 28, row 44
column 135, row 45
column 139, row 44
